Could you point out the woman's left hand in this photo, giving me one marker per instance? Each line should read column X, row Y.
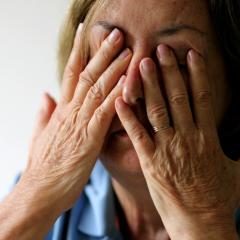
column 193, row 184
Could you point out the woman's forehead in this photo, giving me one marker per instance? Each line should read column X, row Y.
column 145, row 14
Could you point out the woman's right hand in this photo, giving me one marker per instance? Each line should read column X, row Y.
column 64, row 150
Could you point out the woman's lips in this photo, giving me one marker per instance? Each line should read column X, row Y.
column 122, row 133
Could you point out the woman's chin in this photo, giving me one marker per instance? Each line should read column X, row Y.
column 119, row 154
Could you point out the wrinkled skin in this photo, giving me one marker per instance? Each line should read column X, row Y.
column 64, row 151
column 143, row 42
column 66, row 141
column 187, row 168
column 192, row 184
column 186, row 171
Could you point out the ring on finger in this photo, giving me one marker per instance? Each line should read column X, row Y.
column 160, row 128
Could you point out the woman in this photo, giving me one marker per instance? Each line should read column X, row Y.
column 145, row 88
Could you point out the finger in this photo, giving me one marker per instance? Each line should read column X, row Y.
column 99, row 91
column 155, row 104
column 98, row 64
column 44, row 115
column 133, row 91
column 103, row 116
column 139, row 136
column 72, row 69
column 175, row 90
column 201, row 94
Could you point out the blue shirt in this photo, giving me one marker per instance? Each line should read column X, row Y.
column 93, row 215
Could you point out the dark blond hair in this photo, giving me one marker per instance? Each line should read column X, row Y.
column 79, row 11
column 225, row 16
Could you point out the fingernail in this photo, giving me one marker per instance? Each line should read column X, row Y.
column 125, row 53
column 113, row 37
column 147, row 65
column 163, row 52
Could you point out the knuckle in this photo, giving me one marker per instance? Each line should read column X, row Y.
column 138, row 135
column 87, row 78
column 106, row 51
column 111, row 71
column 59, row 116
column 178, row 99
column 150, row 167
column 158, row 112
column 203, row 98
column 101, row 115
column 96, row 93
column 69, row 72
column 169, row 64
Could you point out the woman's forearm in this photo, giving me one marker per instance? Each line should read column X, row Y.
column 211, row 234
column 27, row 214
column 205, row 233
column 181, row 226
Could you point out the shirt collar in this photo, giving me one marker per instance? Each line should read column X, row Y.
column 97, row 217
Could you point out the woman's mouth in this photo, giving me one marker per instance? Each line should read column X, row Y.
column 121, row 134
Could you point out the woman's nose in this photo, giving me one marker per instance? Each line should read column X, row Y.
column 133, row 90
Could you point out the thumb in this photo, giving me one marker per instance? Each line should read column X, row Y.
column 44, row 114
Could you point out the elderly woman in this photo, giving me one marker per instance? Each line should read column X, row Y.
column 143, row 140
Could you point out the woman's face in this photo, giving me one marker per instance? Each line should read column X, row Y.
column 182, row 25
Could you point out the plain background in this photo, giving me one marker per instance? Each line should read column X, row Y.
column 28, row 49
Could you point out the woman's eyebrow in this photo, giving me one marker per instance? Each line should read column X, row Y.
column 163, row 32
column 174, row 29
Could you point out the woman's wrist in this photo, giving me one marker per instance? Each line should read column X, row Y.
column 198, row 228
column 204, row 232
column 210, row 232
column 27, row 213
column 204, row 225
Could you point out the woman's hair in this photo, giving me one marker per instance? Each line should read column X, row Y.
column 225, row 16
column 79, row 11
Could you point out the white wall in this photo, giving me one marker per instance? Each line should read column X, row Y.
column 28, row 42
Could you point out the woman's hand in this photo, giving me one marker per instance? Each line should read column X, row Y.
column 67, row 141
column 64, row 153
column 194, row 186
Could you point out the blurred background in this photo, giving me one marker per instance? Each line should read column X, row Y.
column 28, row 46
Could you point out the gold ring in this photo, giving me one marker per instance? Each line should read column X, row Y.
column 159, row 129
